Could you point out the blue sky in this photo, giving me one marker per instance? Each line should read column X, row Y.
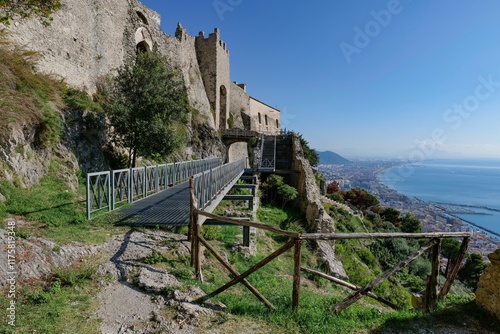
column 403, row 79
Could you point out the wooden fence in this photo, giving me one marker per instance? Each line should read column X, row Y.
column 295, row 241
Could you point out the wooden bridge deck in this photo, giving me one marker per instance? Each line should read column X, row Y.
column 166, row 208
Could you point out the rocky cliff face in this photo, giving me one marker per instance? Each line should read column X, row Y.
column 25, row 160
column 309, row 202
column 88, row 40
column 488, row 289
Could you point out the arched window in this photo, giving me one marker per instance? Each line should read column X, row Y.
column 143, row 40
column 260, row 120
column 142, row 47
column 142, row 17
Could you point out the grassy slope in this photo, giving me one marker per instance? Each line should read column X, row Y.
column 64, row 301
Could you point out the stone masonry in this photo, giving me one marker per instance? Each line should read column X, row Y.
column 90, row 39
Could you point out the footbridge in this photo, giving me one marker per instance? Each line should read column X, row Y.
column 160, row 195
column 272, row 151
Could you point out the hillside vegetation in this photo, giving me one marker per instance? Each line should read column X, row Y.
column 65, row 300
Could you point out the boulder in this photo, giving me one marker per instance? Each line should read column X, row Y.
column 488, row 289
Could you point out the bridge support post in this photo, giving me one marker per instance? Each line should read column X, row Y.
column 246, row 236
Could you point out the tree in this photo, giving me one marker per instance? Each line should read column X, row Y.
column 391, row 215
column 148, row 106
column 472, row 270
column 361, row 199
column 410, row 224
column 287, row 193
column 332, row 187
column 39, row 8
column 309, row 153
column 278, row 189
column 449, row 248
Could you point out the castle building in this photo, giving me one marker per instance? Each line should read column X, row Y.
column 90, row 39
column 230, row 99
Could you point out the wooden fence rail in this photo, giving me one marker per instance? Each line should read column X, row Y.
column 295, row 241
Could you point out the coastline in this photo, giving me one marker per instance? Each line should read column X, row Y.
column 476, row 225
column 367, row 175
column 448, row 208
column 477, row 231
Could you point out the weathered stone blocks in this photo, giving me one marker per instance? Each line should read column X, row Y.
column 488, row 289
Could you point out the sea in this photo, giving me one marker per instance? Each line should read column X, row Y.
column 473, row 184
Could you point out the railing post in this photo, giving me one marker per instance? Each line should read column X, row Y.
column 157, row 180
column 89, row 199
column 174, row 180
column 296, row 275
column 109, row 191
column 166, row 176
column 113, row 195
column 131, row 185
column 144, row 182
column 246, row 236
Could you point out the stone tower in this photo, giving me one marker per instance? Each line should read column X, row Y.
column 213, row 59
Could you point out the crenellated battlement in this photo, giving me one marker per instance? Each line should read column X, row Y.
column 213, row 39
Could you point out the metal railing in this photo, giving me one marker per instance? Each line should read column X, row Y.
column 106, row 191
column 268, row 152
column 208, row 184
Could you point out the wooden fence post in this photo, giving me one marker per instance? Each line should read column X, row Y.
column 296, row 275
column 454, row 270
column 197, row 252
column 194, row 233
column 192, row 207
column 432, row 279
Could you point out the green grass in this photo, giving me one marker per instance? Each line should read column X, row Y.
column 318, row 296
column 28, row 96
column 64, row 303
column 53, row 210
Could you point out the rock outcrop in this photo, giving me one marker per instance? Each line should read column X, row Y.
column 87, row 41
column 488, row 289
column 309, row 202
column 37, row 257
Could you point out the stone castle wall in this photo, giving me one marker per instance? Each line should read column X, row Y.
column 90, row 39
column 213, row 58
column 83, row 42
column 264, row 118
column 240, row 106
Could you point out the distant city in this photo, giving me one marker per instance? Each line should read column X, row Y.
column 434, row 217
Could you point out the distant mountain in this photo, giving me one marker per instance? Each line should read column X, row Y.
column 331, row 158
